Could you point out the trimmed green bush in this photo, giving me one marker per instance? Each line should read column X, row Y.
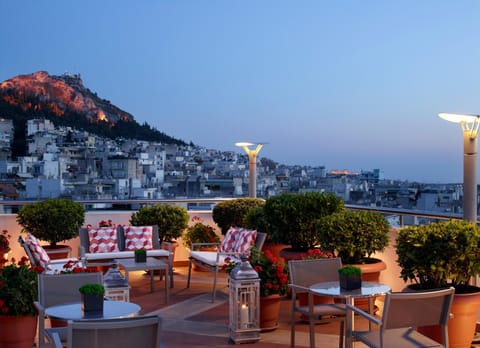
column 232, row 212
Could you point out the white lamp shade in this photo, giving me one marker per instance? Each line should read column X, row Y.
column 458, row 118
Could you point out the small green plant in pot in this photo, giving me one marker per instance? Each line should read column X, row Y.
column 232, row 212
column 140, row 255
column 92, row 298
column 350, row 277
column 52, row 220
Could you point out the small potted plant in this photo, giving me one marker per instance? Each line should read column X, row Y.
column 140, row 255
column 350, row 277
column 92, row 298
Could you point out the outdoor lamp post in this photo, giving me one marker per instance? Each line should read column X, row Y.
column 244, row 303
column 470, row 125
column 252, row 165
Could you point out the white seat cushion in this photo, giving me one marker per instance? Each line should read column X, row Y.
column 210, row 257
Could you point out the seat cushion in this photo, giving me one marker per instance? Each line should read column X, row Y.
column 138, row 237
column 39, row 254
column 210, row 258
column 103, row 240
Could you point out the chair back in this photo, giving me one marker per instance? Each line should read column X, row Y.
column 260, row 240
column 143, row 331
column 308, row 272
column 412, row 309
column 27, row 251
column 56, row 289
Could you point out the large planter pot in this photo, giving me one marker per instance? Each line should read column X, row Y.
column 269, row 312
column 17, row 332
column 275, row 249
column 59, row 252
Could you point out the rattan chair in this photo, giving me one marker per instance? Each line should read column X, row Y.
column 59, row 289
column 303, row 274
column 142, row 331
column 402, row 313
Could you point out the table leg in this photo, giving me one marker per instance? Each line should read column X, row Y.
column 166, row 286
column 349, row 323
column 151, row 279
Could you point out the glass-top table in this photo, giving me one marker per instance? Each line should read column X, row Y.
column 111, row 310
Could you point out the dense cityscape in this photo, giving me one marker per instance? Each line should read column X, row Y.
column 64, row 162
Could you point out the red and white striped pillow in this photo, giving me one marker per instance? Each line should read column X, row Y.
column 103, row 240
column 228, row 243
column 138, row 237
column 38, row 253
column 245, row 241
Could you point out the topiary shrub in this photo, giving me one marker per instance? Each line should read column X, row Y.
column 52, row 220
column 232, row 212
column 171, row 220
column 291, row 217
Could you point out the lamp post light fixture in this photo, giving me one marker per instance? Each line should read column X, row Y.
column 470, row 125
column 252, row 165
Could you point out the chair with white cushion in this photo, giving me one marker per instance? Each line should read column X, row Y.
column 403, row 312
column 237, row 241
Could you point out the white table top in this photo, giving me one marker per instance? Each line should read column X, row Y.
column 111, row 310
column 333, row 289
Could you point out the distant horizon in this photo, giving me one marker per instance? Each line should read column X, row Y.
column 337, row 84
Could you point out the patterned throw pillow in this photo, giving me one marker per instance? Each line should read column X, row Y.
column 138, row 237
column 38, row 253
column 245, row 241
column 228, row 243
column 102, row 239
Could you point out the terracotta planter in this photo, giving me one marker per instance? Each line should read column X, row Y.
column 17, row 332
column 59, row 252
column 269, row 312
column 275, row 249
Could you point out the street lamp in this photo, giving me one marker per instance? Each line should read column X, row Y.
column 252, row 165
column 470, row 125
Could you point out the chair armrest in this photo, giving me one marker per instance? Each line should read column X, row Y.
column 199, row 245
column 364, row 314
column 56, row 340
column 298, row 288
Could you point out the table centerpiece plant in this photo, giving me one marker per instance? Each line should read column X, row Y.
column 350, row 277
column 92, row 297
column 140, row 255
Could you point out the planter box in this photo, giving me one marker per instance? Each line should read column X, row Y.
column 92, row 304
column 140, row 257
column 350, row 282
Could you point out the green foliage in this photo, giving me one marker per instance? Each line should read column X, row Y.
column 171, row 220
column 439, row 254
column 140, row 252
column 232, row 212
column 92, row 289
column 18, row 289
column 256, row 219
column 52, row 220
column 200, row 233
column 353, row 235
column 350, row 270
column 291, row 217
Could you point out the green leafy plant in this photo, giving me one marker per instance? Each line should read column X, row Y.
column 272, row 272
column 200, row 233
column 92, row 289
column 4, row 240
column 439, row 254
column 350, row 270
column 353, row 235
column 52, row 220
column 291, row 217
column 171, row 220
column 18, row 287
column 140, row 252
column 232, row 212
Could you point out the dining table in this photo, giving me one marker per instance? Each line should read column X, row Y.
column 367, row 290
column 111, row 310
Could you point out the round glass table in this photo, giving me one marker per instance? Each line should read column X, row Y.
column 111, row 310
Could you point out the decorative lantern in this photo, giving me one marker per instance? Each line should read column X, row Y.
column 116, row 286
column 244, row 303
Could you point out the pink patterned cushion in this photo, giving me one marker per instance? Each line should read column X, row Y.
column 245, row 241
column 39, row 254
column 138, row 237
column 102, row 240
column 228, row 243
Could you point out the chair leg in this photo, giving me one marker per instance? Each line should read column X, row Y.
column 189, row 273
column 312, row 332
column 342, row 334
column 292, row 328
column 214, row 292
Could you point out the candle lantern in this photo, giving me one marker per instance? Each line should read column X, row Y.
column 244, row 303
column 116, row 286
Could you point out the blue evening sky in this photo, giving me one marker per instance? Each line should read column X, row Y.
column 346, row 84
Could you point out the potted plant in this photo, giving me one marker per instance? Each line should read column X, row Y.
column 441, row 254
column 350, row 277
column 291, row 219
column 4, row 246
column 232, row 212
column 273, row 276
column 92, row 298
column 18, row 315
column 140, row 255
column 200, row 233
column 52, row 220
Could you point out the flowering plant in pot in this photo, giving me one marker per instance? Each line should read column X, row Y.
column 200, row 233
column 4, row 241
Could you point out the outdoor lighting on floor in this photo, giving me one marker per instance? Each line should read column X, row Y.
column 244, row 303
column 470, row 125
column 252, row 165
column 116, row 286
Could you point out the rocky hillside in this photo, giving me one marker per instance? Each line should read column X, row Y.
column 66, row 101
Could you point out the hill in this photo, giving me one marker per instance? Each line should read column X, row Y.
column 66, row 101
